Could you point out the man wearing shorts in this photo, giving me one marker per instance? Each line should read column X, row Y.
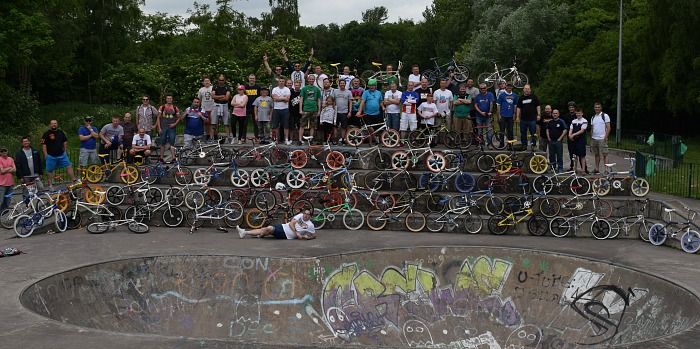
column 309, row 107
column 409, row 102
column 88, row 135
column 577, row 138
column 195, row 119
column 372, row 107
column 168, row 118
column 280, row 110
column 300, row 227
column 221, row 95
column 204, row 95
column 112, row 137
column 141, row 145
column 600, row 129
column 53, row 144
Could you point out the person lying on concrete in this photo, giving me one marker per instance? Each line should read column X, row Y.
column 300, row 227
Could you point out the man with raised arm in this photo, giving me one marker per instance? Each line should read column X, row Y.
column 296, row 72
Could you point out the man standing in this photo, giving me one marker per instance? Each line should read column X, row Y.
column 415, row 74
column 371, row 105
column 294, row 99
column 483, row 104
column 319, row 76
column 409, row 103
column 343, row 105
column 252, row 90
column 391, row 76
column 507, row 101
column 195, row 118
column 568, row 118
column 280, row 111
column 168, row 118
column 528, row 113
column 327, row 91
column 54, row 144
column 28, row 164
column 423, row 91
column 577, row 138
column 392, row 102
column 275, row 74
column 443, row 99
column 141, row 144
column 221, row 95
column 300, row 227
column 130, row 129
column 145, row 113
column 357, row 92
column 204, row 96
column 88, row 135
column 473, row 91
column 462, row 107
column 542, row 128
column 555, row 131
column 297, row 73
column 600, row 129
column 346, row 76
column 310, row 107
column 112, row 138
column 7, row 181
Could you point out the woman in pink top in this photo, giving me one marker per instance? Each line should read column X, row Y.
column 7, row 181
column 239, row 103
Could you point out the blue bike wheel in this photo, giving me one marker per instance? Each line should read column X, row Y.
column 464, row 182
column 657, row 234
column 430, row 181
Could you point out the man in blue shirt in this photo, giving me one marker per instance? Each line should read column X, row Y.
column 483, row 103
column 194, row 117
column 88, row 135
column 371, row 105
column 507, row 101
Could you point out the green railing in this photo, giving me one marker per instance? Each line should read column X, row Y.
column 663, row 145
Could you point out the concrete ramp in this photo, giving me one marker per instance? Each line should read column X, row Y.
column 421, row 297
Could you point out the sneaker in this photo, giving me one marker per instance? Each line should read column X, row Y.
column 241, row 231
column 342, row 141
column 298, row 142
column 240, row 142
column 586, row 172
column 230, row 140
column 595, row 172
column 288, row 142
column 561, row 170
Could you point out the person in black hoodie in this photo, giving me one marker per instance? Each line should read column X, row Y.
column 28, row 162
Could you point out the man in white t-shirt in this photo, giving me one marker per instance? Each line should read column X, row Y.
column 141, row 144
column 392, row 101
column 280, row 112
column 415, row 74
column 300, row 227
column 443, row 99
column 318, row 77
column 600, row 129
column 207, row 101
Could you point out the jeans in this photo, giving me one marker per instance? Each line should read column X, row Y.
column 506, row 125
column 393, row 121
column 556, row 154
column 485, row 121
column 5, row 201
column 242, row 122
column 526, row 126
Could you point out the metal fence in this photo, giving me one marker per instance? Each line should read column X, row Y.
column 663, row 145
column 668, row 176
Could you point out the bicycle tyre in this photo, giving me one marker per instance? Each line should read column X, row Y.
column 485, row 163
column 233, row 212
column 115, row 195
column 559, row 227
column 265, row 200
column 355, row 136
column 191, row 219
column 187, row 157
column 138, row 228
column 657, row 234
column 643, row 231
column 435, row 162
column 60, row 220
column 486, row 78
column 173, row 216
column 580, row 186
column 495, row 226
column 175, row 196
column 201, row 176
column 432, row 224
column 154, row 196
column 296, row 179
column 520, row 80
column 320, row 219
column 690, row 241
column 483, row 182
column 7, row 219
column 149, row 174
column 464, row 182
column 639, row 187
column 503, row 163
column 335, row 160
column 376, row 220
column 240, row 178
column 435, row 203
column 353, row 219
column 97, row 228
column 279, row 156
column 461, row 73
column 430, row 76
column 493, row 205
column 183, row 175
column 194, row 200
column 113, row 214
column 259, row 178
column 74, row 218
column 473, row 224
column 245, row 156
column 417, row 139
column 93, row 173
column 415, row 221
column 212, row 197
column 550, row 207
column 603, row 209
column 542, row 184
column 390, row 138
column 374, row 180
column 601, row 186
column 382, row 161
column 384, row 201
column 430, row 181
column 400, row 160
column 454, row 140
column 298, row 158
column 332, row 201
column 135, row 213
column 538, row 164
column 24, row 225
column 129, row 174
column 601, row 229
column 537, row 225
column 499, row 140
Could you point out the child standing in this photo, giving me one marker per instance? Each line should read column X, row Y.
column 328, row 119
column 262, row 110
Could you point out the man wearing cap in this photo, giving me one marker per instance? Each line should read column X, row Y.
column 372, row 107
column 54, row 143
column 506, row 103
column 88, row 135
column 28, row 164
column 7, row 181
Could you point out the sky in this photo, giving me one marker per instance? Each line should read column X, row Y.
column 312, row 12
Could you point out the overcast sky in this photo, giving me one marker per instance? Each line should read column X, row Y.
column 312, row 12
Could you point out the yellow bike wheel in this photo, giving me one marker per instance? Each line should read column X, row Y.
column 61, row 201
column 255, row 218
column 93, row 173
column 538, row 164
column 503, row 163
column 95, row 194
column 129, row 174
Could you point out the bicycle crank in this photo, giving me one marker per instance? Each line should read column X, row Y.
column 617, row 184
column 330, row 217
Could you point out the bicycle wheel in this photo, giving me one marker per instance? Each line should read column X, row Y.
column 321, row 218
column 486, row 78
column 542, row 184
column 255, row 218
column 301, row 205
column 464, row 182
column 138, row 228
column 519, row 80
column 212, row 197
column 503, row 163
column 400, row 160
column 493, row 205
column 97, row 228
column 512, row 204
column 240, row 178
column 233, row 212
column 374, row 180
column 690, row 241
column 384, row 201
column 24, row 226
column 113, row 213
column 93, row 173
column 136, row 213
column 187, row 157
column 496, row 225
column 436, row 203
column 265, row 200
column 382, row 160
column 296, row 179
column 499, row 140
column 115, row 195
column 643, row 230
column 538, row 164
column 657, row 234
column 175, row 196
column 7, row 218
column 335, row 160
column 580, row 186
column 600, row 229
column 454, row 140
column 332, row 201
column 483, row 182
column 430, row 76
column 191, row 219
column 390, row 138
column 415, row 221
column 432, row 223
column 473, row 224
column 601, row 186
column 129, row 174
column 559, row 227
column 194, row 200
column 173, row 216
column 356, row 136
column 95, row 194
column 74, row 218
column 201, row 176
column 149, row 174
column 537, row 225
column 154, row 196
column 550, row 207
column 245, row 156
column 353, row 219
column 259, row 178
column 603, row 209
column 461, row 73
column 183, row 175
column 298, row 158
column 435, row 162
column 430, row 181
column 376, row 220
column 485, row 163
column 60, row 220
column 417, row 139
column 639, row 187
column 279, row 156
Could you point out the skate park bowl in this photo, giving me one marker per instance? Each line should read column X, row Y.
column 430, row 297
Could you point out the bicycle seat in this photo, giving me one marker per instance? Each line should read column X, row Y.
column 523, row 184
column 669, row 210
column 308, row 138
column 611, row 165
column 434, row 58
column 511, row 141
column 376, row 64
column 103, row 155
column 334, row 64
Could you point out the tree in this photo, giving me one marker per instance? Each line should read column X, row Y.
column 376, row 15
